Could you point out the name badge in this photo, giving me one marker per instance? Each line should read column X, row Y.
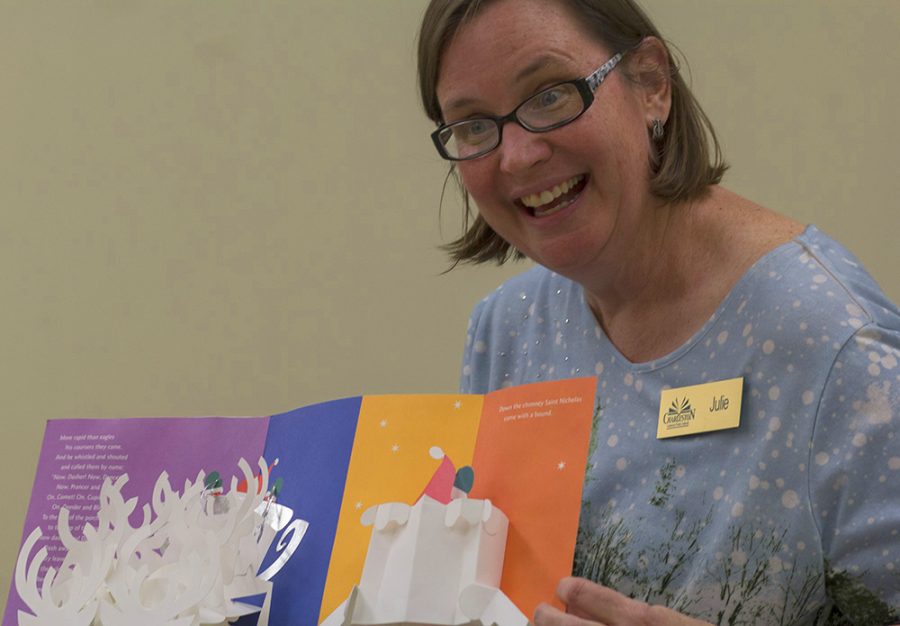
column 700, row 408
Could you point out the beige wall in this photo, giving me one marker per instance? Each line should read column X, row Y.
column 222, row 207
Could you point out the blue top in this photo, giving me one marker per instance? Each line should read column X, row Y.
column 783, row 520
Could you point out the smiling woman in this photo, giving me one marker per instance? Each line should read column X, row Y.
column 230, row 208
column 660, row 281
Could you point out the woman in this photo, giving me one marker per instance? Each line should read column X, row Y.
column 653, row 277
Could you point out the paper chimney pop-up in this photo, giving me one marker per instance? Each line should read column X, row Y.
column 437, row 562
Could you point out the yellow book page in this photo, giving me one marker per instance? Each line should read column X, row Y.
column 390, row 462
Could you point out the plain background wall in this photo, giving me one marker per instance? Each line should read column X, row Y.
column 222, row 207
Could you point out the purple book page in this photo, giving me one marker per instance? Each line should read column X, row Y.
column 78, row 454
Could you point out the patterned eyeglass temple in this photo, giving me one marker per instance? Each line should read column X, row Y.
column 595, row 79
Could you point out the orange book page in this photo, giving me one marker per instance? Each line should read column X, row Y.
column 530, row 459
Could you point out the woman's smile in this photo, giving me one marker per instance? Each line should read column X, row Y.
column 550, row 201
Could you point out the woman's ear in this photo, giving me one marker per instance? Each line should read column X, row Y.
column 651, row 69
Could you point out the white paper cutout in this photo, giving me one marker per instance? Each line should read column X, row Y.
column 193, row 554
column 432, row 563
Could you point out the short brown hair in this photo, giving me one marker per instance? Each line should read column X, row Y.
column 689, row 157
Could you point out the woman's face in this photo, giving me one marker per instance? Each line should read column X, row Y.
column 511, row 50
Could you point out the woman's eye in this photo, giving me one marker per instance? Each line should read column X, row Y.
column 547, row 99
column 474, row 131
column 477, row 127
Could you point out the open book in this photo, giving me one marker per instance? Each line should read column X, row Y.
column 527, row 446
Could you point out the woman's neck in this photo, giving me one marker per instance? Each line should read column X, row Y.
column 681, row 264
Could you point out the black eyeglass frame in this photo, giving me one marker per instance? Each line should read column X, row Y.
column 586, row 87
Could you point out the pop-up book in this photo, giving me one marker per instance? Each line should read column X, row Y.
column 388, row 510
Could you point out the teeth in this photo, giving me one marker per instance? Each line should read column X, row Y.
column 536, row 200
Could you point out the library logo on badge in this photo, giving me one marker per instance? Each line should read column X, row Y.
column 680, row 414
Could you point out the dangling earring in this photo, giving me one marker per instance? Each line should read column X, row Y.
column 657, row 130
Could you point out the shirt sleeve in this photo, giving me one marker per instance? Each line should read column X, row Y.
column 855, row 477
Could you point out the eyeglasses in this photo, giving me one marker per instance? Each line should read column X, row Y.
column 550, row 108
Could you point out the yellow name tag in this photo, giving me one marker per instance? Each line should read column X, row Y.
column 700, row 408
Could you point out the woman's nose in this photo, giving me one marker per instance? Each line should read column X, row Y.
column 520, row 150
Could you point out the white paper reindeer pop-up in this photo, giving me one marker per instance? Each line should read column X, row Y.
column 437, row 562
column 190, row 562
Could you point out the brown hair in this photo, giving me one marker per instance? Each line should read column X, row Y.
column 688, row 157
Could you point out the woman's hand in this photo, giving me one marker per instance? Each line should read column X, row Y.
column 592, row 604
